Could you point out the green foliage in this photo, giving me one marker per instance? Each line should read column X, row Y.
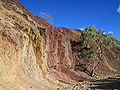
column 101, row 31
column 46, row 17
column 91, row 35
column 110, row 36
column 89, row 54
column 94, row 56
column 88, row 33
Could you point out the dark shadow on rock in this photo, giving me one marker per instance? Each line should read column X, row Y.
column 107, row 84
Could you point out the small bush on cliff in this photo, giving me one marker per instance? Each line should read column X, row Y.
column 90, row 33
column 46, row 17
column 96, row 41
column 93, row 56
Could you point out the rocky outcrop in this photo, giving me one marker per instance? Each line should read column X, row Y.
column 37, row 56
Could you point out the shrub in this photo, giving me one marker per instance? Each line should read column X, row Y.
column 94, row 42
column 46, row 17
column 94, row 56
column 91, row 35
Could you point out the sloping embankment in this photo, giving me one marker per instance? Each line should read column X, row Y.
column 37, row 56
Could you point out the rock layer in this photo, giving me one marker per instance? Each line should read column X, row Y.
column 37, row 56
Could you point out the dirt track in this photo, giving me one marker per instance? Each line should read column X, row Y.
column 111, row 83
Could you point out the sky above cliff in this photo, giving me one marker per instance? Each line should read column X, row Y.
column 78, row 14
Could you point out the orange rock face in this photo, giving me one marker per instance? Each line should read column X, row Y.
column 37, row 56
column 60, row 59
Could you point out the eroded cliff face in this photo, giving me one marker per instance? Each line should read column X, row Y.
column 37, row 56
column 22, row 47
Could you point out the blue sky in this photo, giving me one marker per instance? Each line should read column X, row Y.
column 78, row 14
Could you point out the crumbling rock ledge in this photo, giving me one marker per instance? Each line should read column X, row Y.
column 37, row 56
